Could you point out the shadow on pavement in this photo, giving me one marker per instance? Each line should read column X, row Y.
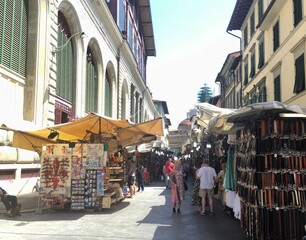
column 29, row 212
column 190, row 224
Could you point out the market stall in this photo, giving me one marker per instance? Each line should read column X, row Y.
column 267, row 168
column 82, row 161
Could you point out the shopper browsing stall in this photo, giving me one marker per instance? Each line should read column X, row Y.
column 131, row 176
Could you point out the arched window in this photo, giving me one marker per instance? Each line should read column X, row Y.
column 108, row 96
column 123, row 105
column 91, row 84
column 65, row 63
column 13, row 37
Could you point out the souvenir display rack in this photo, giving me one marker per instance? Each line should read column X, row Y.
column 271, row 166
column 72, row 175
column 114, row 180
column 116, row 168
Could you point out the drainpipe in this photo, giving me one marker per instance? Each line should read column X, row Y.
column 118, row 57
column 240, row 70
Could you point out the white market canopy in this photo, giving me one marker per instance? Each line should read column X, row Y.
column 226, row 121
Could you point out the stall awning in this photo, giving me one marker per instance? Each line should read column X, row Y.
column 230, row 122
column 84, row 129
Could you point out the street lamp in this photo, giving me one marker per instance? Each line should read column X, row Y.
column 60, row 48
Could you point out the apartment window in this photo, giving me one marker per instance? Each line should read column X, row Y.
column 299, row 84
column 262, row 93
column 252, row 72
column 260, row 10
column 297, row 11
column 13, row 37
column 252, row 27
column 91, row 84
column 261, row 51
column 277, row 88
column 130, row 33
column 245, row 36
column 276, row 36
column 253, row 97
column 121, row 15
column 246, row 73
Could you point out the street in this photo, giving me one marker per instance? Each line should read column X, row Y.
column 146, row 216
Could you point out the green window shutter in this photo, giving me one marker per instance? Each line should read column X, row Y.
column 13, row 37
column 261, row 59
column 64, row 60
column 64, row 68
column 260, row 10
column 246, row 75
column 277, row 89
column 107, row 111
column 252, row 73
column 276, row 36
column 91, row 86
column 245, row 36
column 299, row 84
column 297, row 8
column 262, row 95
column 252, row 27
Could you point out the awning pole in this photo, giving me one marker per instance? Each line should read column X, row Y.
column 33, row 146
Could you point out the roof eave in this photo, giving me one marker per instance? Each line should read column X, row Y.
column 240, row 12
column 147, row 27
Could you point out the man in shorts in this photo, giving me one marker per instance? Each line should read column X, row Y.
column 131, row 176
column 207, row 176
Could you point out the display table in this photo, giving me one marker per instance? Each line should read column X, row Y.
column 111, row 197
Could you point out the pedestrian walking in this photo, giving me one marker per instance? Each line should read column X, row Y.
column 168, row 167
column 177, row 186
column 196, row 199
column 221, row 190
column 131, row 175
column 207, row 176
column 140, row 177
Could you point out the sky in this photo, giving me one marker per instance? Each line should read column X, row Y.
column 191, row 46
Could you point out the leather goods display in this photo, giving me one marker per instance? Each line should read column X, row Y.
column 271, row 182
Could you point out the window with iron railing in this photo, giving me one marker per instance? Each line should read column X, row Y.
column 262, row 95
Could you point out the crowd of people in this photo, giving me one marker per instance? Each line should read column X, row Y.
column 176, row 174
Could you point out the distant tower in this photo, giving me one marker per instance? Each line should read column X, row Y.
column 204, row 94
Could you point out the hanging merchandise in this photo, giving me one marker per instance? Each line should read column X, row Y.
column 72, row 175
column 271, row 173
column 55, row 176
